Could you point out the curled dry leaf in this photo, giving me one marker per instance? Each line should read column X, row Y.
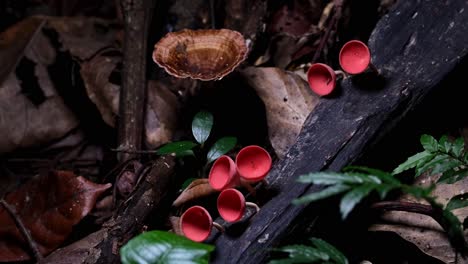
column 31, row 111
column 422, row 230
column 198, row 188
column 127, row 179
column 101, row 74
column 288, row 101
column 175, row 225
column 49, row 207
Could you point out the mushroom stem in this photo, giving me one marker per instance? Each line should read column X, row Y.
column 219, row 227
column 253, row 205
column 373, row 69
column 340, row 74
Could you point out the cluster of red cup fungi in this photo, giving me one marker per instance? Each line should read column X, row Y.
column 252, row 164
column 354, row 59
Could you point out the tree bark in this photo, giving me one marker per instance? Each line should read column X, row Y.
column 414, row 47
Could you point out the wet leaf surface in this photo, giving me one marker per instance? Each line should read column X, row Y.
column 288, row 101
column 49, row 206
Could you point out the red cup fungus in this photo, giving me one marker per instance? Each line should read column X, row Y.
column 196, row 223
column 253, row 163
column 231, row 205
column 354, row 57
column 321, row 78
column 223, row 174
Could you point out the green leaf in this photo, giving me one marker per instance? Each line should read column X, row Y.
column 164, row 248
column 349, row 200
column 201, row 126
column 453, row 175
column 429, row 143
column 329, row 178
column 325, row 193
column 384, row 189
column 444, row 144
column 418, row 192
column 187, row 182
column 454, row 230
column 439, row 164
column 458, row 201
column 178, row 148
column 457, row 147
column 221, row 147
column 412, row 162
column 330, row 250
column 382, row 175
column 301, row 254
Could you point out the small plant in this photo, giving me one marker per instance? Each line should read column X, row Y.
column 201, row 129
column 356, row 183
column 164, row 247
column 319, row 252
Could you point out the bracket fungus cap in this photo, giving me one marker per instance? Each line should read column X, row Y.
column 206, row 54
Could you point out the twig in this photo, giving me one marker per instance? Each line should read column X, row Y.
column 24, row 231
column 212, row 14
column 334, row 20
column 136, row 14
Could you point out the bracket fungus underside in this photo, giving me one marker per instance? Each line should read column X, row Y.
column 206, row 55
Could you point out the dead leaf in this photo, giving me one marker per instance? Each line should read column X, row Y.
column 31, row 111
column 198, row 188
column 422, row 230
column 49, row 207
column 127, row 179
column 175, row 225
column 162, row 105
column 288, row 101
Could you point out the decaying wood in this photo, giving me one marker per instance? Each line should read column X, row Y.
column 103, row 246
column 137, row 14
column 414, row 47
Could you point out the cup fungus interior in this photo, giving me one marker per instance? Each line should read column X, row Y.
column 222, row 173
column 231, row 205
column 253, row 163
column 196, row 223
column 354, row 57
column 321, row 78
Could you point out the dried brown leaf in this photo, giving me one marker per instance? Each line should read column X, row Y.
column 288, row 101
column 49, row 206
column 198, row 188
column 423, row 231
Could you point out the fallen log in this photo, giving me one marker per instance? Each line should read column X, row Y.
column 414, row 47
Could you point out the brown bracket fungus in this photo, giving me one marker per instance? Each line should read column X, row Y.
column 200, row 54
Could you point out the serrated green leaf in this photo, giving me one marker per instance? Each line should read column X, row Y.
column 439, row 164
column 382, row 175
column 444, row 144
column 412, row 162
column 384, row 189
column 301, row 253
column 201, row 126
column 325, row 193
column 335, row 255
column 458, row 201
column 418, row 192
column 164, row 248
column 179, row 147
column 221, row 147
column 353, row 197
column 429, row 143
column 453, row 175
column 329, row 178
column 457, row 147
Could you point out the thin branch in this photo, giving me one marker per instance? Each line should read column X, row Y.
column 333, row 22
column 24, row 231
